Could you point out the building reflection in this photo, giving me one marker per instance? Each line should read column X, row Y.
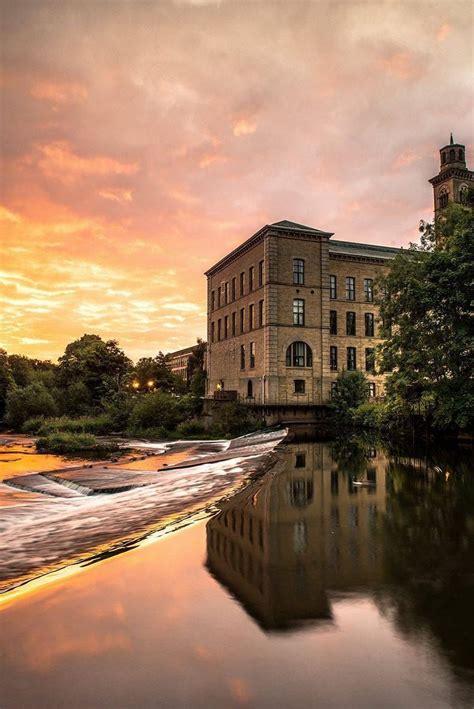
column 309, row 526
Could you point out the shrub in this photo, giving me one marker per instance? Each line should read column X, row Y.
column 98, row 425
column 33, row 425
column 158, row 408
column 190, row 428
column 236, row 420
column 23, row 403
column 61, row 442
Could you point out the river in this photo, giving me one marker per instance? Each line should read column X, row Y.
column 341, row 577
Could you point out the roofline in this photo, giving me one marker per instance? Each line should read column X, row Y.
column 364, row 247
column 257, row 238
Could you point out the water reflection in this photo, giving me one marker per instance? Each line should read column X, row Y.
column 343, row 519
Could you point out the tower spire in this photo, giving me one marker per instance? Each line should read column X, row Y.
column 451, row 141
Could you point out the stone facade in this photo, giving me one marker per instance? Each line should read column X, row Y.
column 178, row 362
column 285, row 271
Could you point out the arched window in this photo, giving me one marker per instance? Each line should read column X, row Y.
column 299, row 354
column 249, row 389
column 452, row 155
column 461, row 155
column 443, row 158
column 443, row 197
column 463, row 194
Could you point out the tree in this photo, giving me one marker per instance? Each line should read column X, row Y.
column 196, row 360
column 100, row 365
column 6, row 380
column 23, row 403
column 156, row 369
column 427, row 321
column 351, row 390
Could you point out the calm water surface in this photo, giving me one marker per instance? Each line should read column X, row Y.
column 306, row 589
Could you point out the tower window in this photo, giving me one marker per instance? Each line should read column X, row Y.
column 350, row 288
column 298, row 271
column 299, row 354
column 443, row 158
column 351, row 358
column 461, row 155
column 298, row 311
column 333, row 322
column 350, row 323
column 333, row 287
column 443, row 198
column 463, row 194
column 333, row 358
column 369, row 324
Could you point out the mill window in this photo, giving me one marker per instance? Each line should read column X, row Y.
column 369, row 359
column 333, row 287
column 252, row 355
column 369, row 324
column 351, row 358
column 298, row 271
column 350, row 323
column 260, row 273
column 333, row 322
column 242, row 356
column 333, row 358
column 299, row 386
column 251, row 277
column 350, row 288
column 299, row 354
column 298, row 311
column 368, row 290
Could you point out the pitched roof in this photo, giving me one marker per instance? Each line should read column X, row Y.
column 294, row 226
column 351, row 248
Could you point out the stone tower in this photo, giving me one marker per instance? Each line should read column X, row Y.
column 454, row 180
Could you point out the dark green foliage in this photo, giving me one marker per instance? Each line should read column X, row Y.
column 76, row 399
column 98, row 425
column 6, row 380
column 351, row 391
column 27, row 402
column 100, row 366
column 236, row 420
column 428, row 323
column 156, row 370
column 155, row 409
column 61, row 442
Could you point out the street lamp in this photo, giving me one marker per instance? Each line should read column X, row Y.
column 136, row 385
column 150, row 383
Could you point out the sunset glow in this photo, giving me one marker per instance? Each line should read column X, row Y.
column 142, row 141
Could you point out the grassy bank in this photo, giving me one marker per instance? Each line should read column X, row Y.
column 62, row 442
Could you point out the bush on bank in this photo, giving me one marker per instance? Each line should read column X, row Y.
column 97, row 425
column 61, row 442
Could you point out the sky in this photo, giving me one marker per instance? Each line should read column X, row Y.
column 141, row 141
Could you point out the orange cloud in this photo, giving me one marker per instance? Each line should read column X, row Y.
column 443, row 31
column 405, row 158
column 245, row 126
column 401, row 65
column 58, row 161
column 116, row 194
column 59, row 92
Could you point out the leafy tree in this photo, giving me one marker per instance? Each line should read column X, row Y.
column 6, row 379
column 23, row 403
column 76, row 399
column 196, row 360
column 153, row 410
column 351, row 390
column 156, row 369
column 427, row 322
column 100, row 365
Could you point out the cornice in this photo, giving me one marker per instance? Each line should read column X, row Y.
column 462, row 173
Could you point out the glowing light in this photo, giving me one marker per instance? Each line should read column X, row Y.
column 150, row 383
column 136, row 385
